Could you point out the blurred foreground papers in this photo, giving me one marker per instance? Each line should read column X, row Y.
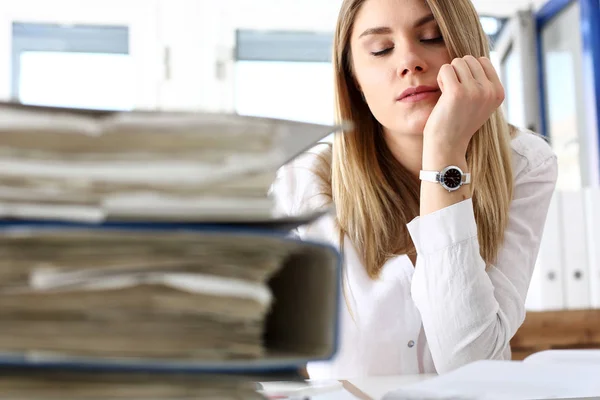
column 140, row 255
column 134, row 295
column 83, row 165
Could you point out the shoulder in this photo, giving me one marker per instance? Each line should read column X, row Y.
column 299, row 186
column 532, row 152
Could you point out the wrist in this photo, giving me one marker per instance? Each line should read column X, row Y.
column 437, row 156
column 446, row 143
column 439, row 161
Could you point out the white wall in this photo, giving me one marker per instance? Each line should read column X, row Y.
column 505, row 7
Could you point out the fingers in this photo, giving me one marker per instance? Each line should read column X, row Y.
column 447, row 79
column 476, row 69
column 493, row 77
column 489, row 70
column 463, row 72
column 473, row 75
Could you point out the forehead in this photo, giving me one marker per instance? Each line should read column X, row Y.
column 395, row 14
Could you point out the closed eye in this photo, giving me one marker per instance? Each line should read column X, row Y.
column 382, row 52
column 436, row 40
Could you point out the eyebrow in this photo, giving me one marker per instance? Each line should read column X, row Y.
column 384, row 30
column 426, row 19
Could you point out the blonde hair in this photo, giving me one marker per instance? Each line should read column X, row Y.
column 374, row 195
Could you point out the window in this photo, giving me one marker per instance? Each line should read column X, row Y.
column 512, row 80
column 566, row 111
column 82, row 66
column 284, row 75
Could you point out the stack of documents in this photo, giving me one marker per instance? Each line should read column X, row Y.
column 21, row 385
column 138, row 244
column 83, row 165
column 145, row 294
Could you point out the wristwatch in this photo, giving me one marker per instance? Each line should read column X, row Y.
column 451, row 178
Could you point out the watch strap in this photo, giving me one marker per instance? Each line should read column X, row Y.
column 434, row 176
column 466, row 178
column 429, row 176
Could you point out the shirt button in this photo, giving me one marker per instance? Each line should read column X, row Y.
column 411, row 344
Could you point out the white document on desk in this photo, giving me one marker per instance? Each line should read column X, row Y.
column 495, row 380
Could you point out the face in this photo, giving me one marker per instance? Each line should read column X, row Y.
column 397, row 51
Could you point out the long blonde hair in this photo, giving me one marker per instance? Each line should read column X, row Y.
column 374, row 195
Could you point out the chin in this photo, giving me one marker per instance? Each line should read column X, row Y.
column 410, row 128
column 403, row 123
column 412, row 123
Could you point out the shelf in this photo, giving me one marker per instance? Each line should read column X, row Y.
column 545, row 330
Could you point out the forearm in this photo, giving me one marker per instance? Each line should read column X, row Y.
column 463, row 320
column 468, row 313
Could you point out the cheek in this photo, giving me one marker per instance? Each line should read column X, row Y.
column 442, row 58
column 372, row 75
column 376, row 83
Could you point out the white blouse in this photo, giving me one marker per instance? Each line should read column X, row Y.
column 448, row 310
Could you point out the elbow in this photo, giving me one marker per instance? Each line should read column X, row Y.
column 445, row 365
column 491, row 344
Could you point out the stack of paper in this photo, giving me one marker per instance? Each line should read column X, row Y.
column 21, row 385
column 120, row 294
column 139, row 242
column 93, row 166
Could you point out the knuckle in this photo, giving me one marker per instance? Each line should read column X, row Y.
column 446, row 68
column 500, row 95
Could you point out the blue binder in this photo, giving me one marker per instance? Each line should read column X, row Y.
column 302, row 327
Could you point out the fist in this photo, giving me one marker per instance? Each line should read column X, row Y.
column 471, row 92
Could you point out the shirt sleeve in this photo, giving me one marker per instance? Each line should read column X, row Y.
column 471, row 313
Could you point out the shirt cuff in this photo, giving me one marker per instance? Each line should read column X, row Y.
column 443, row 228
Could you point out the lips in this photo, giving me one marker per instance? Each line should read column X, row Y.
column 416, row 90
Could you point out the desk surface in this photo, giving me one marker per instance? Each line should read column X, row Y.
column 368, row 388
column 376, row 387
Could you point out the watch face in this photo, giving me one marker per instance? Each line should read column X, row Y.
column 452, row 178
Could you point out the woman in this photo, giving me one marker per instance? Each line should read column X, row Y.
column 436, row 273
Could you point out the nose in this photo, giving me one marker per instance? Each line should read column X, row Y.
column 411, row 62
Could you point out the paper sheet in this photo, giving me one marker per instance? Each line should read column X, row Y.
column 495, row 380
column 50, row 280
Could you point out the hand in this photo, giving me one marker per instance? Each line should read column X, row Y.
column 471, row 92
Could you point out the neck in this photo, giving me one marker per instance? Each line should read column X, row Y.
column 407, row 149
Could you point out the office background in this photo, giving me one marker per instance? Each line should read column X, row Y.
column 272, row 58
